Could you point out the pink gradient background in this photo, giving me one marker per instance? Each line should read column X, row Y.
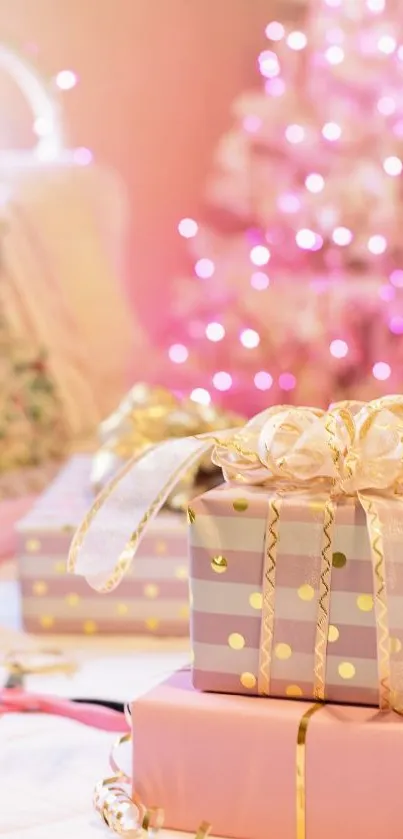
column 157, row 80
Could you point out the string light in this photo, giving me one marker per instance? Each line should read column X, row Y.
column 295, row 133
column 188, row 228
column 252, row 123
column 314, row 183
column 82, row 156
column 275, row 31
column 334, row 55
column 342, row 236
column 259, row 255
column 259, row 281
column 393, row 166
column 331, row 131
column 387, row 44
column 204, row 268
column 66, row 79
column 287, row 381
column 381, row 371
column 222, row 380
column 201, row 396
column 338, row 348
column 288, row 203
column 269, row 64
column 396, row 278
column 249, row 338
column 178, row 353
column 215, row 331
column 377, row 244
column 263, row 380
column 296, row 41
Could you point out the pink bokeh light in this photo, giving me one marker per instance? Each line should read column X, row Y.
column 263, row 380
column 222, row 380
column 178, row 353
column 287, row 381
column 249, row 338
column 259, row 255
column 381, row 371
column 204, row 268
column 259, row 281
column 338, row 348
column 188, row 228
column 215, row 331
column 201, row 396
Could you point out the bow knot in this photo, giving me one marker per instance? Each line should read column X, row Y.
column 353, row 447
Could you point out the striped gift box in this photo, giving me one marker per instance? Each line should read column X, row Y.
column 152, row 599
column 227, row 553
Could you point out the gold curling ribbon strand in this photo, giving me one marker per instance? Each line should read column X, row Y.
column 322, row 624
column 125, row 558
column 381, row 605
column 269, row 578
column 301, row 770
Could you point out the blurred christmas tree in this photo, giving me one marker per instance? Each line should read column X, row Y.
column 32, row 432
column 297, row 273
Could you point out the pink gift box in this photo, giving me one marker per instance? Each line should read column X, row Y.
column 227, row 539
column 152, row 599
column 232, row 761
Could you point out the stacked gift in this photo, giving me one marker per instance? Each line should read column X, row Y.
column 154, row 597
column 295, row 576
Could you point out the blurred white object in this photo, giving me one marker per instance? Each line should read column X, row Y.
column 63, row 229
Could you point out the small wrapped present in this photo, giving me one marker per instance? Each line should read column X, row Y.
column 153, row 599
column 148, row 415
column 261, row 769
column 296, row 562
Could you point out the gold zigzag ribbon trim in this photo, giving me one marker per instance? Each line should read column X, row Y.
column 381, row 606
column 322, row 625
column 269, row 579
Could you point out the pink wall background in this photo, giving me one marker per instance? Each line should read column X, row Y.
column 157, row 78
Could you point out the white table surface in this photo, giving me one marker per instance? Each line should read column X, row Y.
column 49, row 765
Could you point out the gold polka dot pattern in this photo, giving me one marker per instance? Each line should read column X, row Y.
column 240, row 505
column 151, row 591
column 365, row 602
column 333, row 634
column 248, row 680
column 306, row 592
column 236, row 641
column 60, row 567
column 32, row 546
column 90, row 627
column 346, row 670
column 161, row 547
column 39, row 588
column 184, row 612
column 395, row 645
column 219, row 564
column 181, row 572
column 72, row 599
column 256, row 600
column 46, row 621
column 339, row 560
column 152, row 624
column 293, row 691
column 122, row 609
column 283, row 651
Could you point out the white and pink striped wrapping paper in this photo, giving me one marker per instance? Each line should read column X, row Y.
column 230, row 522
column 152, row 599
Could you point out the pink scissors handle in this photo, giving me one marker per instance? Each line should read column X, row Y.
column 16, row 700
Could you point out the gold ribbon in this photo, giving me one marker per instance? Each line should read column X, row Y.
column 148, row 415
column 127, row 816
column 354, row 449
column 123, row 812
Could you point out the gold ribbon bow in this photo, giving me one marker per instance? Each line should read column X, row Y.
column 353, row 449
column 148, row 415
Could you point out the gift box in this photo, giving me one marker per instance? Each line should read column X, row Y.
column 153, row 599
column 255, row 768
column 296, row 561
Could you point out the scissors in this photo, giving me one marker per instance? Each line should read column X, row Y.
column 98, row 713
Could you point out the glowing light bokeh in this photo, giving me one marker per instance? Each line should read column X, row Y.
column 342, row 236
column 178, row 353
column 287, row 381
column 222, row 380
column 338, row 348
column 201, row 396
column 381, row 371
column 249, row 338
column 295, row 134
column 377, row 244
column 259, row 281
column 275, row 31
column 263, row 380
column 331, row 131
column 215, row 331
column 314, row 183
column 204, row 268
column 66, row 79
column 296, row 40
column 259, row 255
column 188, row 228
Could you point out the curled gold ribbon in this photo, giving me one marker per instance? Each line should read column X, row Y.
column 124, row 813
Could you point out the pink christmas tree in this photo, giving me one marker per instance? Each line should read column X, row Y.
column 297, row 270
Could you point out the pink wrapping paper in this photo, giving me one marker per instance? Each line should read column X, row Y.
column 230, row 522
column 231, row 760
column 152, row 599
